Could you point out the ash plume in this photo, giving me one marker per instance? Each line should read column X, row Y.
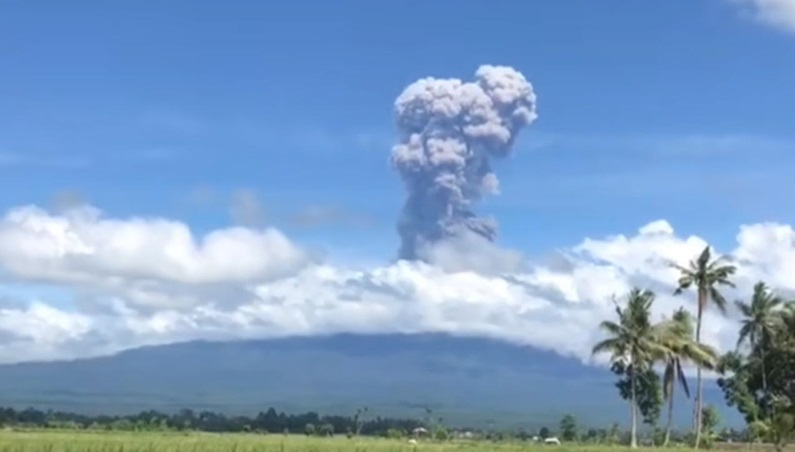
column 449, row 130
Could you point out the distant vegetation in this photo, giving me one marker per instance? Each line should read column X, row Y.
column 758, row 378
column 271, row 422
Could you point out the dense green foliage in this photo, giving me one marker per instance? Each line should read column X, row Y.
column 648, row 391
column 269, row 421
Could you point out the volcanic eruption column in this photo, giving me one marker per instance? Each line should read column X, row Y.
column 448, row 132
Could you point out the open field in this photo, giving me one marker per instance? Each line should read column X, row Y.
column 174, row 442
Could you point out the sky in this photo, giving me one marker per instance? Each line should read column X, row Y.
column 193, row 169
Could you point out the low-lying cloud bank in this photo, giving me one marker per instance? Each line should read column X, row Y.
column 141, row 281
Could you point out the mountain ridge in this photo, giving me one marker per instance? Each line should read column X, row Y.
column 467, row 380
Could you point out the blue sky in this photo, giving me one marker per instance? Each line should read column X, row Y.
column 658, row 109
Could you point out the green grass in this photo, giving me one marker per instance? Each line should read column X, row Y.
column 175, row 442
column 62, row 441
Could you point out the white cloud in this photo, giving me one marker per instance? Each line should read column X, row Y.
column 145, row 281
column 83, row 246
column 777, row 13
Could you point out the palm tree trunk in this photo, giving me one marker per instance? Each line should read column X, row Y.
column 670, row 410
column 764, row 373
column 764, row 376
column 633, row 436
column 702, row 300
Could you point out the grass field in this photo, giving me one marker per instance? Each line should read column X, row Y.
column 162, row 442
column 174, row 442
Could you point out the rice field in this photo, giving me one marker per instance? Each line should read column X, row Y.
column 49, row 441
column 196, row 442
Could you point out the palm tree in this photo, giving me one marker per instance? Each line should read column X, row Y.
column 783, row 338
column 677, row 337
column 706, row 276
column 759, row 323
column 633, row 342
column 787, row 318
column 782, row 406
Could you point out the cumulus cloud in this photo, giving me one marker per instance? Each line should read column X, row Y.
column 143, row 281
column 776, row 13
column 82, row 246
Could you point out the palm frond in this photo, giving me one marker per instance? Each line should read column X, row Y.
column 743, row 307
column 703, row 258
column 682, row 379
column 611, row 327
column 702, row 355
column 717, row 299
column 614, row 346
column 746, row 331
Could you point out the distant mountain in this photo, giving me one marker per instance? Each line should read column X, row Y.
column 468, row 381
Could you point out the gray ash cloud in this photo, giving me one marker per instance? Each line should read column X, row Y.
column 449, row 131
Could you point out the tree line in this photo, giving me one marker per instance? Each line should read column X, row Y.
column 310, row 423
column 269, row 421
column 758, row 377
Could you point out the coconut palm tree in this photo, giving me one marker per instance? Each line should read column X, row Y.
column 787, row 317
column 632, row 341
column 759, row 323
column 705, row 275
column 782, row 343
column 676, row 336
column 783, row 338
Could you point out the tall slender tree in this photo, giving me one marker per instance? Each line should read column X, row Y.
column 759, row 323
column 632, row 341
column 677, row 337
column 705, row 275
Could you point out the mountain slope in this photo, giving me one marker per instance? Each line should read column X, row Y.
column 466, row 380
